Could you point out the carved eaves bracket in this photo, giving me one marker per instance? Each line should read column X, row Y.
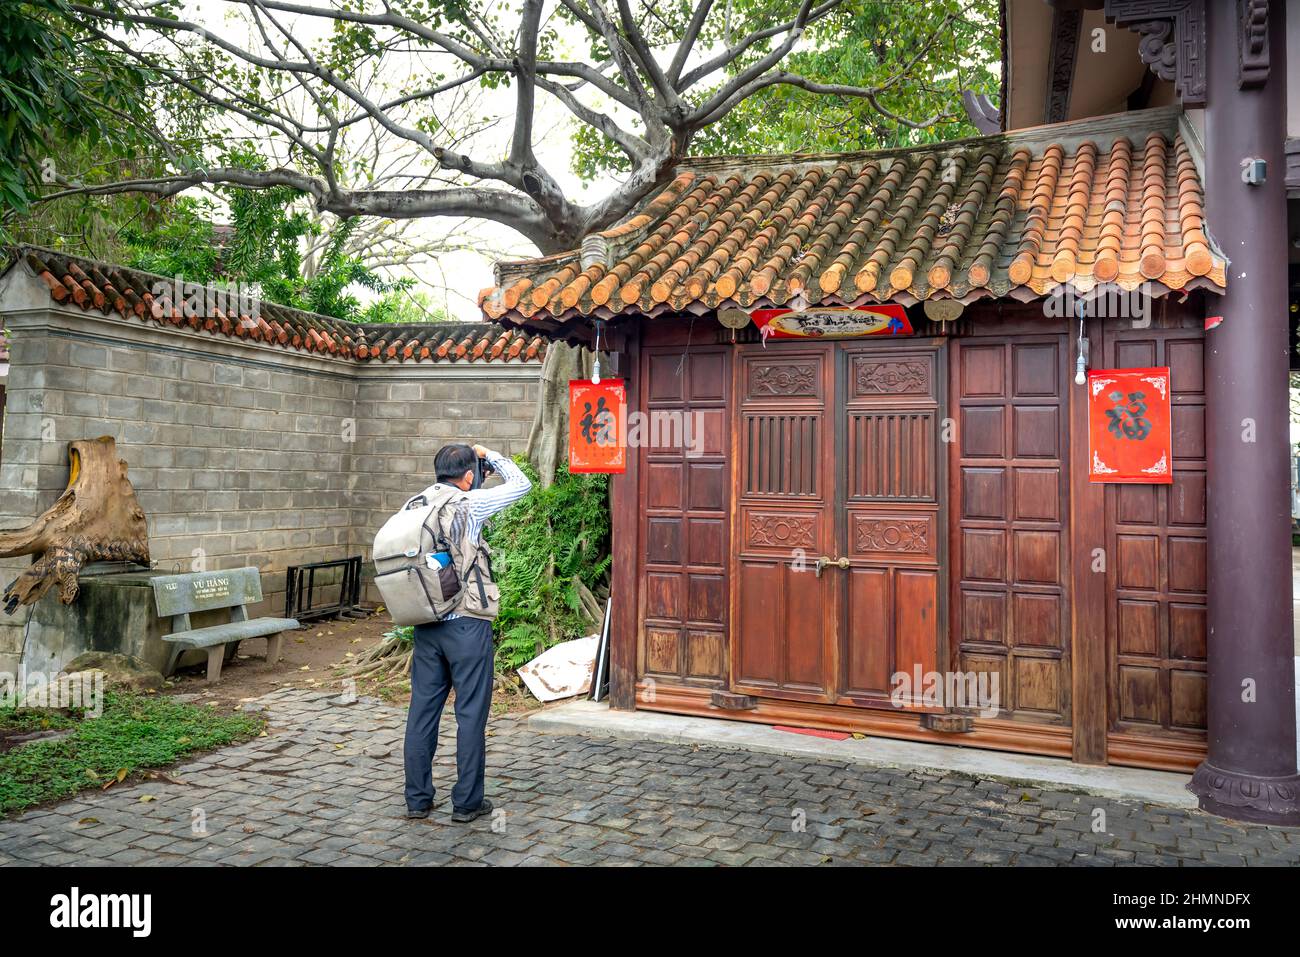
column 1172, row 40
column 1252, row 43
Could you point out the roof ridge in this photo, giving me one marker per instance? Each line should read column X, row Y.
column 17, row 251
column 88, row 283
column 1148, row 120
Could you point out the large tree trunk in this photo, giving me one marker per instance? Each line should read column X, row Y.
column 96, row 519
column 548, row 441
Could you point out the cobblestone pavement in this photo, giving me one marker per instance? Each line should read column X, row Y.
column 324, row 787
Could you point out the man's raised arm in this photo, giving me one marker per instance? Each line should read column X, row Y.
column 484, row 502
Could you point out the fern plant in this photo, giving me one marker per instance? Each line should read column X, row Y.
column 551, row 560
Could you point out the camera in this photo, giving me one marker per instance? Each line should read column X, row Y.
column 482, row 469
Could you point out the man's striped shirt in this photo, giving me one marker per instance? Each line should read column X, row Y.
column 480, row 504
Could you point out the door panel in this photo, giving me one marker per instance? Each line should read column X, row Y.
column 889, row 528
column 685, row 511
column 783, row 612
column 868, row 659
column 1009, row 541
column 891, row 455
column 1156, row 535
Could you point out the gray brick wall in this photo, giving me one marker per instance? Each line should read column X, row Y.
column 240, row 454
column 403, row 421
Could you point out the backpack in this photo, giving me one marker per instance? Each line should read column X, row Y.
column 416, row 588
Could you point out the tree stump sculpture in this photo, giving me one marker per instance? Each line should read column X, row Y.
column 96, row 519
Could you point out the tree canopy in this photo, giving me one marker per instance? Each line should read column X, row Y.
column 645, row 85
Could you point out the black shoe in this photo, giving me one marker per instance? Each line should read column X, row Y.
column 464, row 817
column 415, row 815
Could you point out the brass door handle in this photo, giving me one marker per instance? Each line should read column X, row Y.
column 827, row 560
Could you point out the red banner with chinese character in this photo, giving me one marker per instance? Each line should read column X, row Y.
column 597, row 426
column 1129, row 431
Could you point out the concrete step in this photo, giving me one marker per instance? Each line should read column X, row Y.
column 1055, row 774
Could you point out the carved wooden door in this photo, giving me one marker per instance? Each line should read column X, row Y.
column 785, row 477
column 838, row 480
column 889, row 521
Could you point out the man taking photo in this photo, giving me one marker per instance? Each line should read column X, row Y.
column 457, row 651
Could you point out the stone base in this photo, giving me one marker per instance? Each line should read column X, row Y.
column 113, row 612
column 1244, row 797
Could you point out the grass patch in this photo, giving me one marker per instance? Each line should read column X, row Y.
column 22, row 720
column 134, row 732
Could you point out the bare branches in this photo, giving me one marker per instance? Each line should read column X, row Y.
column 783, row 78
column 734, row 52
column 647, row 95
column 496, row 205
column 687, row 43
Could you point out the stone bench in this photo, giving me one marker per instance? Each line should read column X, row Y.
column 179, row 596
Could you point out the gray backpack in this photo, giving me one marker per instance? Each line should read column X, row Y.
column 416, row 588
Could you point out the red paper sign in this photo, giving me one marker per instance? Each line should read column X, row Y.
column 1129, row 432
column 597, row 426
column 887, row 319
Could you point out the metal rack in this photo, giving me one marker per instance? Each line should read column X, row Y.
column 301, row 590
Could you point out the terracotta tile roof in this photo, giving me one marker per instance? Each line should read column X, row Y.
column 449, row 342
column 129, row 294
column 1116, row 199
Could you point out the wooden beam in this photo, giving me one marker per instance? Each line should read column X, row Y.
column 1066, row 26
column 1088, row 567
column 624, row 491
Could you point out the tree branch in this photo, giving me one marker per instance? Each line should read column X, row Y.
column 687, row 43
column 521, row 143
column 734, row 52
column 512, row 209
column 339, row 95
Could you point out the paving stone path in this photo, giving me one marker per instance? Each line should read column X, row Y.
column 324, row 787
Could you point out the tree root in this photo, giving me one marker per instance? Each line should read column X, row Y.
column 390, row 658
column 592, row 607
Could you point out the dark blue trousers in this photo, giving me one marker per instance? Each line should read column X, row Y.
column 449, row 654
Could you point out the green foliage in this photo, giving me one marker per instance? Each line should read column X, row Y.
column 863, row 43
column 263, row 249
column 22, row 720
column 134, row 732
column 183, row 243
column 402, row 633
column 58, row 88
column 403, row 306
column 542, row 547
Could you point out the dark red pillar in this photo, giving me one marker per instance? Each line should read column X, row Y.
column 1250, row 771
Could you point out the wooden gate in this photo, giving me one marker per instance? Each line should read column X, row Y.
column 838, row 581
